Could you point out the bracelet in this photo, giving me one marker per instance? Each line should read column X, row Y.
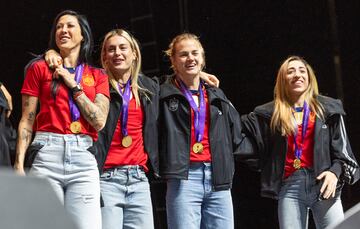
column 77, row 94
column 75, row 89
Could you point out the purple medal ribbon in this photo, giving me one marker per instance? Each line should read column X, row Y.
column 305, row 123
column 199, row 112
column 125, row 107
column 74, row 110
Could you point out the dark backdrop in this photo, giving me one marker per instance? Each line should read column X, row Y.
column 245, row 41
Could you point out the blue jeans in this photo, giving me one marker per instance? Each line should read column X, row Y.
column 72, row 172
column 192, row 203
column 127, row 201
column 299, row 193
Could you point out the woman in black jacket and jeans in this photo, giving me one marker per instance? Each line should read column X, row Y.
column 199, row 133
column 304, row 150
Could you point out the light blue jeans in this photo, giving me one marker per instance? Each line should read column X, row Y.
column 73, row 173
column 299, row 193
column 193, row 204
column 127, row 201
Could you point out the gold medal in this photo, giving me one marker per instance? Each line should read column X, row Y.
column 75, row 127
column 126, row 141
column 297, row 163
column 198, row 147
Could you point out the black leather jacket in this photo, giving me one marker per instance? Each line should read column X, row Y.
column 332, row 150
column 150, row 103
column 175, row 126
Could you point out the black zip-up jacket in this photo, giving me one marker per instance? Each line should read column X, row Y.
column 150, row 103
column 175, row 129
column 332, row 150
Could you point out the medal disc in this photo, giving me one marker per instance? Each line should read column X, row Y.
column 198, row 147
column 75, row 127
column 126, row 141
column 297, row 163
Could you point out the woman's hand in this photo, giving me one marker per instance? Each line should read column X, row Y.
column 328, row 188
column 69, row 79
column 53, row 59
column 210, row 79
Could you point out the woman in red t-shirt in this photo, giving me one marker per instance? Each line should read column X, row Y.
column 74, row 105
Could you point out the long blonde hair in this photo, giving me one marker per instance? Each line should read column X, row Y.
column 282, row 118
column 135, row 67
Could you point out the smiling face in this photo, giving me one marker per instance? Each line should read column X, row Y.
column 188, row 58
column 118, row 55
column 68, row 33
column 297, row 78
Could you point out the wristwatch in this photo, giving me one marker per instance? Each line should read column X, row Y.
column 77, row 88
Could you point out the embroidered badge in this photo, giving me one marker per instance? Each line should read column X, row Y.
column 88, row 80
column 173, row 104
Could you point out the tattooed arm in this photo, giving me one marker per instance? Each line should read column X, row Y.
column 29, row 105
column 94, row 112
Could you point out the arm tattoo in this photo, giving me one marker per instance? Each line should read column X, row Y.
column 31, row 116
column 26, row 135
column 26, row 103
column 94, row 112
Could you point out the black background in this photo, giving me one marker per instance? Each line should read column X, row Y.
column 245, row 41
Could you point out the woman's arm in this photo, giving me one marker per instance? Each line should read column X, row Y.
column 29, row 106
column 94, row 112
column 8, row 98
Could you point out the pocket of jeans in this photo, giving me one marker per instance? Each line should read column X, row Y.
column 142, row 176
column 106, row 175
column 31, row 153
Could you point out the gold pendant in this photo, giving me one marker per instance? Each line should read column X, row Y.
column 75, row 127
column 126, row 141
column 198, row 147
column 297, row 163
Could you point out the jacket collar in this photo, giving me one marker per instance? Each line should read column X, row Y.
column 331, row 106
column 141, row 82
column 168, row 89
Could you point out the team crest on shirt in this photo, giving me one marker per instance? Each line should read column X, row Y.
column 173, row 104
column 88, row 80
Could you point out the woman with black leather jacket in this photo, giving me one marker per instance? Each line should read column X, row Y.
column 305, row 155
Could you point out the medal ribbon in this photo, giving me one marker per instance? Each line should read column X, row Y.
column 125, row 107
column 199, row 112
column 305, row 123
column 74, row 110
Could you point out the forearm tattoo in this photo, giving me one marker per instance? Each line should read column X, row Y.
column 94, row 112
column 26, row 135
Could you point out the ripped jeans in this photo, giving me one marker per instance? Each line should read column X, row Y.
column 72, row 171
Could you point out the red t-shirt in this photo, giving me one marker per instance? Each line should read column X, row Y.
column 308, row 148
column 134, row 154
column 54, row 115
column 205, row 155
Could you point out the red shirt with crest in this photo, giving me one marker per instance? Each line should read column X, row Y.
column 54, row 115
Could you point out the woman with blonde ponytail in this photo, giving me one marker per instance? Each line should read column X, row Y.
column 305, row 155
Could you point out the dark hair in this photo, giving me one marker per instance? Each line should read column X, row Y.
column 86, row 45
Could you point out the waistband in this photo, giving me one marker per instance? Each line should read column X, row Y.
column 125, row 168
column 55, row 137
